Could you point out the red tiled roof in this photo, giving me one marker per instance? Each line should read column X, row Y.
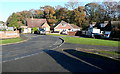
column 35, row 22
column 68, row 26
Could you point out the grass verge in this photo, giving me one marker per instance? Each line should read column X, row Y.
column 13, row 40
column 90, row 41
column 117, row 53
column 109, row 54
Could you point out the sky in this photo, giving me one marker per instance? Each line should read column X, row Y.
column 7, row 7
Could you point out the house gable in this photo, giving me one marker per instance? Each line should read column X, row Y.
column 63, row 25
column 46, row 26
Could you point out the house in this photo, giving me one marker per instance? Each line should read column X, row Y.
column 25, row 29
column 3, row 26
column 108, row 32
column 102, row 29
column 64, row 27
column 38, row 23
column 46, row 27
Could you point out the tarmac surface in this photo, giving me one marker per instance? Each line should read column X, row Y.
column 42, row 53
column 34, row 44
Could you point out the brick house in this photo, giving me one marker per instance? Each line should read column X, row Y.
column 66, row 27
column 38, row 23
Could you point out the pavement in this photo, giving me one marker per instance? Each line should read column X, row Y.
column 42, row 53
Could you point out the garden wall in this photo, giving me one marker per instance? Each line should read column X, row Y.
column 71, row 33
column 9, row 34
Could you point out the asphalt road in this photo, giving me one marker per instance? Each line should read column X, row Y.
column 34, row 44
column 38, row 54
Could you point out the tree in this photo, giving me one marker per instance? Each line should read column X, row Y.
column 60, row 14
column 58, row 7
column 38, row 14
column 78, row 16
column 111, row 8
column 69, row 16
column 72, row 4
column 94, row 12
column 118, row 10
column 49, row 14
column 22, row 16
column 13, row 21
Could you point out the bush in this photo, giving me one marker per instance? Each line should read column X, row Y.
column 34, row 30
column 2, row 29
column 22, row 29
column 115, row 33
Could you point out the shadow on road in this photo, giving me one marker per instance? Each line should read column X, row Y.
column 105, row 63
column 74, row 65
column 71, row 64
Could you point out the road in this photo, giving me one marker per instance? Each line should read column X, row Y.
column 35, row 44
column 40, row 54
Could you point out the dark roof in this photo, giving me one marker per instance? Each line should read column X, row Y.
column 35, row 22
column 75, row 26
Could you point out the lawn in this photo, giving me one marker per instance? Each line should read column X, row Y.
column 57, row 34
column 110, row 52
column 13, row 40
column 91, row 41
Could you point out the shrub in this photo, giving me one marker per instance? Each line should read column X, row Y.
column 34, row 29
column 22, row 29
column 115, row 33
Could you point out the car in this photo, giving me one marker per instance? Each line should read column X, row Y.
column 42, row 31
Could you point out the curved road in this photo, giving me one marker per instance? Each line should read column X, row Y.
column 34, row 56
column 35, row 44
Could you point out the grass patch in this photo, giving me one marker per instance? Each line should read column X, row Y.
column 90, row 41
column 13, row 40
column 110, row 52
column 57, row 34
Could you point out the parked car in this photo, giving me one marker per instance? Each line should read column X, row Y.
column 42, row 31
column 107, row 34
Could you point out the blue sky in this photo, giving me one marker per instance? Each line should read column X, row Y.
column 7, row 7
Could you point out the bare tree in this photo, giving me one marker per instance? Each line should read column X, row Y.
column 58, row 7
column 72, row 4
column 111, row 8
